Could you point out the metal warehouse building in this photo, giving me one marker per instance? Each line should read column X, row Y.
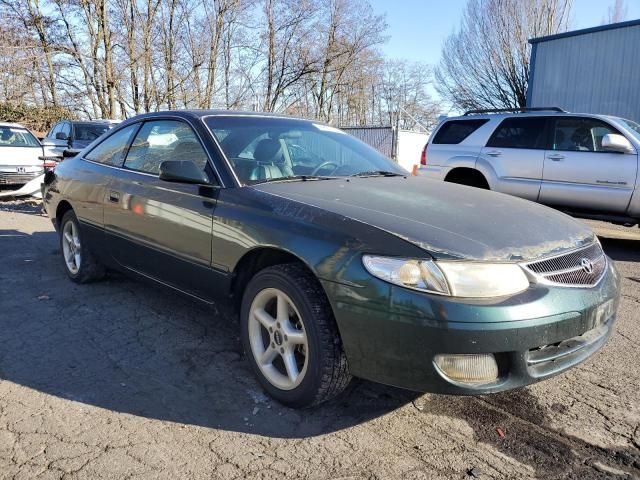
column 596, row 70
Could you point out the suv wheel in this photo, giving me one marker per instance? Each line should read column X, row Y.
column 290, row 337
column 80, row 264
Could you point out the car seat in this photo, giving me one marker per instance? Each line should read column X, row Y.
column 581, row 140
column 271, row 161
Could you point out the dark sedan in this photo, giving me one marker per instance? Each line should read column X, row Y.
column 73, row 135
column 338, row 262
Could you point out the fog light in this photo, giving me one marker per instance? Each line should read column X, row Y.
column 471, row 368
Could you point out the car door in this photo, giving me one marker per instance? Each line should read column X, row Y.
column 94, row 176
column 579, row 174
column 54, row 147
column 157, row 228
column 515, row 155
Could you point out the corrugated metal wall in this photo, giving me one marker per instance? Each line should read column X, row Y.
column 380, row 138
column 595, row 72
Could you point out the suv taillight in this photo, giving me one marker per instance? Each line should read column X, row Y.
column 423, row 157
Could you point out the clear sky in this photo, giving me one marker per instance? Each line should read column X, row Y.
column 417, row 28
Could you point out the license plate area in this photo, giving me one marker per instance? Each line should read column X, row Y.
column 603, row 312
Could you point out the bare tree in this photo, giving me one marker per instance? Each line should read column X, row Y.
column 485, row 64
column 115, row 58
column 352, row 28
column 616, row 13
column 40, row 27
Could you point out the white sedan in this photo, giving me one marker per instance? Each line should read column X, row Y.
column 20, row 153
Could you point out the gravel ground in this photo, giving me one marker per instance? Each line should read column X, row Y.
column 120, row 379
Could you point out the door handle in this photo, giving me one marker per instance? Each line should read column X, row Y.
column 114, row 197
column 494, row 153
column 555, row 157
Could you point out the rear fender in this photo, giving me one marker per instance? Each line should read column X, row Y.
column 489, row 173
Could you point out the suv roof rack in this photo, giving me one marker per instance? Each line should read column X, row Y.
column 514, row 110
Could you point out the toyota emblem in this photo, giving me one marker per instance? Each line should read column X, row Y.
column 587, row 266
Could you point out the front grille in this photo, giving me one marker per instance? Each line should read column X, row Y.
column 13, row 178
column 570, row 269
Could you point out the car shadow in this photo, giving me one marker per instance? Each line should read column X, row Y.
column 29, row 206
column 136, row 348
column 621, row 249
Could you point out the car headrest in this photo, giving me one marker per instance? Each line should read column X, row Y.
column 268, row 151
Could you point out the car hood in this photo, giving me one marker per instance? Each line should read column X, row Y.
column 20, row 156
column 447, row 220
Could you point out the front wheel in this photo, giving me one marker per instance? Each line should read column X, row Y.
column 80, row 264
column 290, row 337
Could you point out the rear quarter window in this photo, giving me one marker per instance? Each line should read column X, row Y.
column 455, row 131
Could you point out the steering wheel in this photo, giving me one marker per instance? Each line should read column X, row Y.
column 323, row 165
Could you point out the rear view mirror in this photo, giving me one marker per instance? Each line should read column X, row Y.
column 613, row 142
column 182, row 172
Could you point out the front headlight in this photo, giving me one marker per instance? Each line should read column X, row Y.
column 457, row 278
column 418, row 274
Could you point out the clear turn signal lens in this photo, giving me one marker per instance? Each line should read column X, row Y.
column 418, row 274
column 467, row 368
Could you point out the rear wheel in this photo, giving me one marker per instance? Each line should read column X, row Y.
column 290, row 337
column 80, row 265
column 469, row 177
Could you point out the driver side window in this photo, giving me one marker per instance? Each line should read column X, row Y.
column 162, row 140
column 575, row 134
column 66, row 129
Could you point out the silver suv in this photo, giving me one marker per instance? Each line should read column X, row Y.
column 584, row 164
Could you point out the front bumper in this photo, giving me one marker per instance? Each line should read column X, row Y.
column 391, row 334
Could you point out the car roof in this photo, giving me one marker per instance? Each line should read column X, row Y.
column 12, row 125
column 546, row 113
column 200, row 113
column 89, row 122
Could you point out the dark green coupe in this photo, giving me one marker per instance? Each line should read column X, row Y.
column 338, row 262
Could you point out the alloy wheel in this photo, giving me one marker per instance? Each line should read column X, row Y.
column 278, row 338
column 71, row 247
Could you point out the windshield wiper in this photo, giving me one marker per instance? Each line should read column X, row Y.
column 295, row 178
column 378, row 173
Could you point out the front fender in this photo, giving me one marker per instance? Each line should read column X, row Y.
column 245, row 219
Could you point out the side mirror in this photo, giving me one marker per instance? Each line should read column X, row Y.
column 182, row 172
column 61, row 136
column 68, row 153
column 613, row 142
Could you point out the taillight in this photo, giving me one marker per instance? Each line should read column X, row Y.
column 423, row 157
column 49, row 163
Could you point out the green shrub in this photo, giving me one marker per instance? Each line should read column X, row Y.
column 37, row 119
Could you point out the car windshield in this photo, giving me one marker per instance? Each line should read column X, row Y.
column 632, row 126
column 264, row 149
column 17, row 137
column 90, row 131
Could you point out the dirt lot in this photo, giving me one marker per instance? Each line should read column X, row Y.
column 119, row 379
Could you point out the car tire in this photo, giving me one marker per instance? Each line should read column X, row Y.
column 313, row 343
column 79, row 263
